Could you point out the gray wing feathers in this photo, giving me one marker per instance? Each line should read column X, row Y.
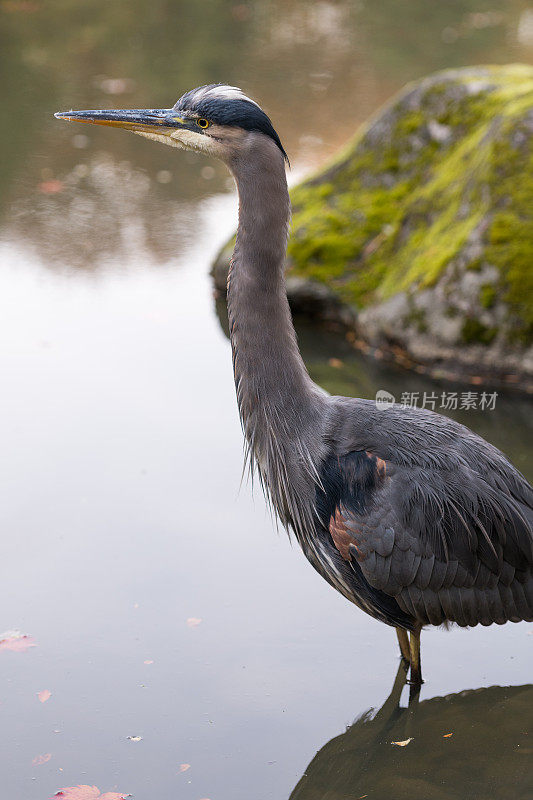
column 449, row 532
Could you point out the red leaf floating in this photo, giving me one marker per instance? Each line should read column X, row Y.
column 44, row 695
column 38, row 760
column 193, row 622
column 85, row 792
column 16, row 641
column 51, row 187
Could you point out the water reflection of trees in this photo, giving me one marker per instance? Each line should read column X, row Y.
column 487, row 755
column 102, row 210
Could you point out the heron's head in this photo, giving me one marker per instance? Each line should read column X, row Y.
column 215, row 119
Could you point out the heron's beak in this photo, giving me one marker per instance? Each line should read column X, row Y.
column 147, row 120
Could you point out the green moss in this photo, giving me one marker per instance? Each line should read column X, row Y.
column 397, row 206
column 417, row 317
column 487, row 295
column 510, row 238
column 475, row 265
column 451, row 312
column 474, row 332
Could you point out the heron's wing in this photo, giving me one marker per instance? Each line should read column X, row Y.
column 445, row 544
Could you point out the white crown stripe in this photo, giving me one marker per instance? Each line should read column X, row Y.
column 222, row 92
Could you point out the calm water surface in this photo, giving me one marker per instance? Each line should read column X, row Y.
column 161, row 600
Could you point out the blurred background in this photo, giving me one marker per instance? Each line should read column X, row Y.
column 319, row 69
column 161, row 602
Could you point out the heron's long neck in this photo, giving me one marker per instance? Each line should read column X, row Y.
column 277, row 399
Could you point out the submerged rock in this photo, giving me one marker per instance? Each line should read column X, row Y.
column 419, row 235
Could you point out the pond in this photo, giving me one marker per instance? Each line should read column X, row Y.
column 188, row 648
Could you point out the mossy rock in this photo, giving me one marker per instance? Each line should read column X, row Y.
column 422, row 227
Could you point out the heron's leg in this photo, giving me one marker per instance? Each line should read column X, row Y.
column 414, row 650
column 403, row 641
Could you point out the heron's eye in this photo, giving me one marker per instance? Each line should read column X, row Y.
column 202, row 123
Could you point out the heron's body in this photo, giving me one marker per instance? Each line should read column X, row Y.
column 408, row 514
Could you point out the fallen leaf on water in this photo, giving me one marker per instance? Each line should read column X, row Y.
column 184, row 767
column 135, row 738
column 16, row 641
column 38, row 760
column 44, row 695
column 193, row 622
column 446, row 735
column 404, row 743
column 51, row 187
column 84, row 792
column 149, row 661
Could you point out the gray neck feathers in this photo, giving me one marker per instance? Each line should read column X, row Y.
column 278, row 403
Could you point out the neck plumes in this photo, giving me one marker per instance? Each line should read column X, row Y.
column 278, row 403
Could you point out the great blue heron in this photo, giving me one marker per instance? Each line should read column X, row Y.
column 410, row 515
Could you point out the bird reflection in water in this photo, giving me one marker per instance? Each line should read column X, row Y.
column 488, row 756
